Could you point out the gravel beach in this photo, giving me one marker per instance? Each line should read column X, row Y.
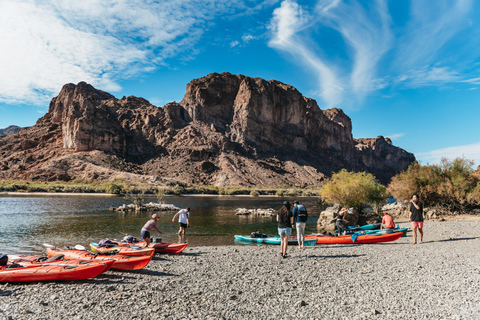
column 439, row 279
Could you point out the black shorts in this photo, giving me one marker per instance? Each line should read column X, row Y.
column 145, row 234
column 183, row 225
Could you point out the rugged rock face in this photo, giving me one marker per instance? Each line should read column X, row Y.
column 227, row 130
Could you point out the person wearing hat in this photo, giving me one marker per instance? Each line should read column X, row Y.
column 300, row 217
column 152, row 223
column 387, row 222
column 285, row 223
column 183, row 221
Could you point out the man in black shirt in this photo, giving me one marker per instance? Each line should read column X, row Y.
column 416, row 218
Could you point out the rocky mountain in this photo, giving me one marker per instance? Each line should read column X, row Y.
column 228, row 130
column 9, row 130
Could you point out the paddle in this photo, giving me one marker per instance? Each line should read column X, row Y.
column 79, row 247
column 46, row 245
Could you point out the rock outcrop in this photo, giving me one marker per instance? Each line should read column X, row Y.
column 228, row 130
column 9, row 130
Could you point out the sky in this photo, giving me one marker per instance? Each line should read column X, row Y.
column 407, row 70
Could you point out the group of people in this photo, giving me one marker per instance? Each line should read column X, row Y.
column 183, row 221
column 297, row 218
column 290, row 219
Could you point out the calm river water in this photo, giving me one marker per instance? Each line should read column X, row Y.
column 26, row 222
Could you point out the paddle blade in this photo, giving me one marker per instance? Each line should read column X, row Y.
column 79, row 247
column 46, row 245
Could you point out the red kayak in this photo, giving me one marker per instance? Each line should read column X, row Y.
column 50, row 272
column 160, row 247
column 120, row 262
column 56, row 259
column 349, row 239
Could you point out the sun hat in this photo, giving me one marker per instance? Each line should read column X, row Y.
column 296, row 201
column 155, row 216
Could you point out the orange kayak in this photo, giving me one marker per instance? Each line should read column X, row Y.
column 51, row 272
column 349, row 239
column 56, row 259
column 160, row 247
column 120, row 262
column 127, row 250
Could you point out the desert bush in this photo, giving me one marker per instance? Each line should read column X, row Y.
column 254, row 193
column 350, row 189
column 451, row 184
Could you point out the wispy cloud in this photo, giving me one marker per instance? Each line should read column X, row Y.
column 367, row 31
column 287, row 23
column 48, row 43
column 380, row 53
column 471, row 152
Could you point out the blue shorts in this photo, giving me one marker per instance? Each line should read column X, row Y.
column 285, row 231
column 145, row 234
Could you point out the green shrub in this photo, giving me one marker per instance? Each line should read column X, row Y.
column 254, row 193
column 350, row 189
column 452, row 184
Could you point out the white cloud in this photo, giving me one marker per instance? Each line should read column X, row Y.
column 48, row 43
column 247, row 38
column 234, row 43
column 287, row 22
column 429, row 30
column 367, row 32
column 471, row 152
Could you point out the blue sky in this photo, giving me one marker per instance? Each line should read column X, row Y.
column 409, row 70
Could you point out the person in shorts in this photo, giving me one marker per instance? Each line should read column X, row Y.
column 285, row 223
column 183, row 220
column 145, row 232
column 300, row 218
column 416, row 218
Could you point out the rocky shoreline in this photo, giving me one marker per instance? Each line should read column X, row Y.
column 439, row 279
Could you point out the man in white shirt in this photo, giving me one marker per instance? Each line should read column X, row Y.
column 183, row 216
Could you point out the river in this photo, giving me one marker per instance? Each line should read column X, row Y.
column 29, row 221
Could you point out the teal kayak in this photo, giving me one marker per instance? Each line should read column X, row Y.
column 274, row 240
column 366, row 227
column 387, row 231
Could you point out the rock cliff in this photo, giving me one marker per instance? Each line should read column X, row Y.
column 227, row 130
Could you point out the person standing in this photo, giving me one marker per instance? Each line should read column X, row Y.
column 387, row 222
column 285, row 223
column 145, row 232
column 183, row 220
column 341, row 222
column 416, row 218
column 300, row 217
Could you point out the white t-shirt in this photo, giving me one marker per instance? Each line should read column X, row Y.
column 183, row 216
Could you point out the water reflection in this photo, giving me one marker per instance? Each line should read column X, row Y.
column 26, row 222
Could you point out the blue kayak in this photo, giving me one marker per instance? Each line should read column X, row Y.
column 366, row 227
column 274, row 240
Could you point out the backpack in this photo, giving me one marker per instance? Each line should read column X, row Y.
column 107, row 243
column 258, row 234
column 130, row 239
column 3, row 260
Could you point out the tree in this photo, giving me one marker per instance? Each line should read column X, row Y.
column 451, row 184
column 350, row 189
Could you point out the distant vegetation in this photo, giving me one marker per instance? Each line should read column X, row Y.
column 131, row 188
column 354, row 189
column 453, row 185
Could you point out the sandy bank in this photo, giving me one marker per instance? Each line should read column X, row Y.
column 439, row 279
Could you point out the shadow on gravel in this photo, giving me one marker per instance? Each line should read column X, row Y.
column 5, row 293
column 193, row 254
column 158, row 273
column 339, row 256
column 454, row 239
column 157, row 258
